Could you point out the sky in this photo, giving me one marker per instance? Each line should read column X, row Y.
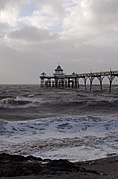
column 37, row 35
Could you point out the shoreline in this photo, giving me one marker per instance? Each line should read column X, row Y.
column 16, row 167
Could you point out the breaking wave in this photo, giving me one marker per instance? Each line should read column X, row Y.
column 18, row 102
column 73, row 138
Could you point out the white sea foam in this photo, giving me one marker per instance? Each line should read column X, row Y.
column 73, row 138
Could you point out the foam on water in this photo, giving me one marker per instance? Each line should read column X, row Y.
column 73, row 138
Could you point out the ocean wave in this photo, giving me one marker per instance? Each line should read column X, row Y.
column 64, row 125
column 89, row 137
column 13, row 101
column 18, row 102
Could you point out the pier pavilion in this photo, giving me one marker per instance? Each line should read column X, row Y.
column 61, row 80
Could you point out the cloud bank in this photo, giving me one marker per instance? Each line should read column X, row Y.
column 35, row 36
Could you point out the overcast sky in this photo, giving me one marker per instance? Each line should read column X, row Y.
column 37, row 35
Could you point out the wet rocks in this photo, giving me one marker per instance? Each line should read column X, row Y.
column 61, row 165
column 16, row 165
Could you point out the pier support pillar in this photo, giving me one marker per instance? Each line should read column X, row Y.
column 49, row 83
column 101, row 84
column 72, row 81
column 53, row 84
column 62, row 83
column 65, row 84
column 76, row 85
column 56, row 83
column 111, row 78
column 45, row 83
column 42, row 82
column 91, row 81
column 100, row 80
column 85, row 79
column 68, row 82
column 59, row 85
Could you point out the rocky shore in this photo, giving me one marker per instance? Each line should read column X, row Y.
column 16, row 166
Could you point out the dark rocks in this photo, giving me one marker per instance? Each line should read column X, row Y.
column 61, row 165
column 16, row 165
column 6, row 157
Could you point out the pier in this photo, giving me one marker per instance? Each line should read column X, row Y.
column 61, row 80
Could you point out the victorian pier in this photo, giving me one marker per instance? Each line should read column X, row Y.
column 61, row 80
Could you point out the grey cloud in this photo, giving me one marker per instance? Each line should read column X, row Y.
column 4, row 26
column 105, row 13
column 4, row 3
column 30, row 34
column 101, row 7
column 25, row 66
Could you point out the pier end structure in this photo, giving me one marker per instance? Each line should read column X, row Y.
column 61, row 80
column 55, row 80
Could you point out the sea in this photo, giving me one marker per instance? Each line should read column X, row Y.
column 71, row 124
